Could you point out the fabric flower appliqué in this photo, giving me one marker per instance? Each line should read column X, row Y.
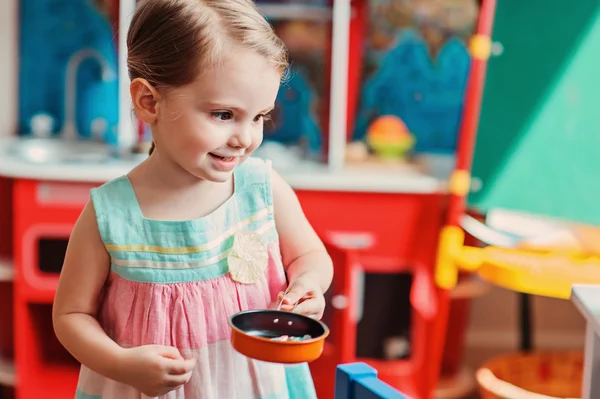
column 248, row 258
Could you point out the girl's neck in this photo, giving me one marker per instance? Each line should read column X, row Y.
column 162, row 173
column 165, row 191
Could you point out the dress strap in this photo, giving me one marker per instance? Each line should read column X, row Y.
column 116, row 209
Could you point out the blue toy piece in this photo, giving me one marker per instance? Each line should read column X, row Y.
column 294, row 117
column 426, row 94
column 359, row 381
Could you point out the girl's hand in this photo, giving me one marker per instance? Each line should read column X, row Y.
column 155, row 370
column 304, row 292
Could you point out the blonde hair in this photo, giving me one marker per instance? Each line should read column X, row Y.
column 170, row 42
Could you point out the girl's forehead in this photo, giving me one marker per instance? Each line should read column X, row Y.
column 246, row 78
column 239, row 62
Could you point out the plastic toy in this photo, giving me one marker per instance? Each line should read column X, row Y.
column 544, row 273
column 359, row 381
column 389, row 137
column 257, row 334
column 286, row 338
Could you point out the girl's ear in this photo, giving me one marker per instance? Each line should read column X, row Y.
column 144, row 97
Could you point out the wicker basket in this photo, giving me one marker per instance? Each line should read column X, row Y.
column 539, row 375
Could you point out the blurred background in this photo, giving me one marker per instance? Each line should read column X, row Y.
column 402, row 120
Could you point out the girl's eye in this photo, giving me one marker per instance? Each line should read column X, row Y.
column 223, row 115
column 264, row 117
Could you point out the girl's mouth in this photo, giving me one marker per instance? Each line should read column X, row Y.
column 220, row 158
column 223, row 163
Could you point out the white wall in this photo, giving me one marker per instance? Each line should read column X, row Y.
column 8, row 67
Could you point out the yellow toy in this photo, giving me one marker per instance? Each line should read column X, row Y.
column 546, row 272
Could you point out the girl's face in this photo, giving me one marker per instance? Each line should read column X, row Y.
column 213, row 124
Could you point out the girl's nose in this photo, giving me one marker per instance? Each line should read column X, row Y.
column 242, row 138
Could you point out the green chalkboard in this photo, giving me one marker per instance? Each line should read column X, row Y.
column 538, row 147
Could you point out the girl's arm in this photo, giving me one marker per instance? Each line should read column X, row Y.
column 304, row 255
column 82, row 278
column 152, row 369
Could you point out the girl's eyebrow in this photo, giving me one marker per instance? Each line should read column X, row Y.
column 219, row 105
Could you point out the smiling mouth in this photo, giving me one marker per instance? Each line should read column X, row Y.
column 226, row 159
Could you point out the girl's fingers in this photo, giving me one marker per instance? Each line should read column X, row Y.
column 311, row 308
column 294, row 294
column 178, row 380
column 288, row 307
column 181, row 367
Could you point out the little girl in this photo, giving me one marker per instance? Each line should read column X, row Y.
column 162, row 257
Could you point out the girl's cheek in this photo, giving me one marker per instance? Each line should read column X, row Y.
column 257, row 140
column 253, row 147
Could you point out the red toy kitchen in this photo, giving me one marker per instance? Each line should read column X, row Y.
column 376, row 184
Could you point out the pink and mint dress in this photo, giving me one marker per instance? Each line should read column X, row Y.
column 177, row 283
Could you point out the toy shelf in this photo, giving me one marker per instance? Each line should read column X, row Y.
column 42, row 225
column 44, row 249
